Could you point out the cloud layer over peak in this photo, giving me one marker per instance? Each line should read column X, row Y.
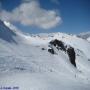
column 32, row 14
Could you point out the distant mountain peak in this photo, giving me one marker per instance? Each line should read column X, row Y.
column 85, row 35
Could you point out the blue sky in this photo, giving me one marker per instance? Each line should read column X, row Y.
column 74, row 15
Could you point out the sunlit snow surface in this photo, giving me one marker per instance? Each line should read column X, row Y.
column 88, row 39
column 25, row 65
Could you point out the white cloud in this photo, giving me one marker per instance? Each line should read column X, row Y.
column 32, row 14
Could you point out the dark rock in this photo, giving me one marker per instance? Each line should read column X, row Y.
column 51, row 51
column 72, row 56
column 43, row 49
column 58, row 44
column 88, row 59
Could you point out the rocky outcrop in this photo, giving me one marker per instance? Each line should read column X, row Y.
column 72, row 56
column 58, row 44
column 51, row 50
column 61, row 46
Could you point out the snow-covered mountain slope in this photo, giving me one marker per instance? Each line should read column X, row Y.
column 85, row 36
column 88, row 39
column 43, row 61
